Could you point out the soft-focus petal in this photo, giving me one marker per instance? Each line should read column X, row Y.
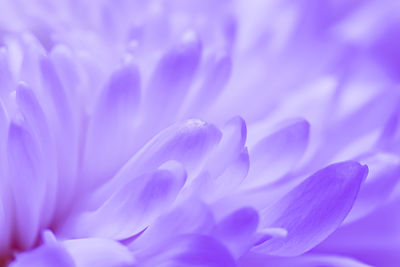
column 63, row 119
column 237, row 230
column 49, row 254
column 188, row 250
column 260, row 260
column 191, row 216
column 5, row 201
column 111, row 134
column 98, row 252
column 227, row 165
column 189, row 142
column 216, row 78
column 34, row 116
column 384, row 173
column 278, row 153
column 134, row 206
column 27, row 184
column 171, row 80
column 374, row 238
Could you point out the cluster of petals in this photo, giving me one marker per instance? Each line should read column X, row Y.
column 199, row 133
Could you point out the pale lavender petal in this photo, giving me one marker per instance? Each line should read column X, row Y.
column 313, row 209
column 384, row 173
column 111, row 132
column 133, row 206
column 276, row 154
column 188, row 250
column 237, row 230
column 6, row 83
column 4, row 228
column 386, row 52
column 226, row 166
column 67, row 69
column 171, row 80
column 34, row 116
column 98, row 252
column 187, row 142
column 373, row 238
column 260, row 260
column 5, row 202
column 27, row 184
column 63, row 120
column 49, row 254
column 215, row 80
column 192, row 216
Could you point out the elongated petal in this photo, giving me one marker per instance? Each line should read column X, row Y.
column 233, row 139
column 67, row 69
column 172, row 78
column 260, row 260
column 190, row 217
column 34, row 116
column 215, row 80
column 49, row 254
column 364, row 122
column 187, row 142
column 5, row 74
column 111, row 137
column 277, row 154
column 5, row 229
column 227, row 165
column 98, row 252
column 55, row 92
column 188, row 250
column 212, row 188
column 28, row 186
column 237, row 230
column 313, row 209
column 5, row 201
column 64, row 124
column 373, row 238
column 134, row 206
column 384, row 173
column 386, row 51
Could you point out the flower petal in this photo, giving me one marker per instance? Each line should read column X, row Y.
column 277, row 154
column 190, row 217
column 6, row 81
column 47, row 255
column 214, row 82
column 234, row 134
column 63, row 121
column 134, row 206
column 313, row 209
column 226, row 166
column 113, row 125
column 34, row 117
column 384, row 173
column 237, row 230
column 311, row 260
column 187, row 142
column 373, row 238
column 171, row 79
column 98, row 252
column 5, row 202
column 188, row 250
column 4, row 229
column 27, row 184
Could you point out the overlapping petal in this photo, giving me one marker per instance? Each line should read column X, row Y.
column 313, row 209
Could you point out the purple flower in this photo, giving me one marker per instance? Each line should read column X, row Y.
column 199, row 133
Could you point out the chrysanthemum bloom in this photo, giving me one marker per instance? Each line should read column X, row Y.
column 199, row 133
